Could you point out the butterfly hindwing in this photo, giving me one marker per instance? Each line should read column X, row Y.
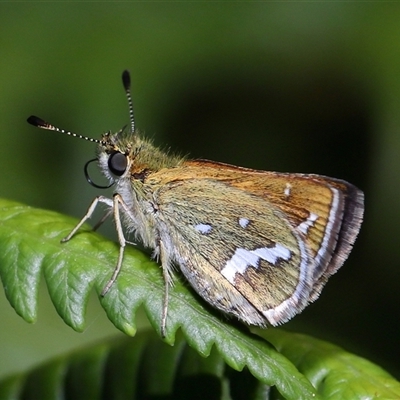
column 265, row 264
column 327, row 212
column 275, row 238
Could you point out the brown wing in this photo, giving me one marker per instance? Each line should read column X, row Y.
column 237, row 250
column 326, row 212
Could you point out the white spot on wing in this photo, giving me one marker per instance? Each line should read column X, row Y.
column 288, row 189
column 272, row 254
column 203, row 228
column 242, row 259
column 308, row 223
column 244, row 222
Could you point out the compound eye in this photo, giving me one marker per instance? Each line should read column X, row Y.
column 117, row 163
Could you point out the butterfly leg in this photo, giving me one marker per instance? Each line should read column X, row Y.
column 88, row 214
column 117, row 202
column 102, row 219
column 165, row 263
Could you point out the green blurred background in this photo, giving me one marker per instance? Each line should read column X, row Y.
column 299, row 87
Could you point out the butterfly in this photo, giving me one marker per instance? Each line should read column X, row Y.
column 256, row 245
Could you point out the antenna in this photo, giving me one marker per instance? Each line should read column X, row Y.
column 126, row 80
column 39, row 123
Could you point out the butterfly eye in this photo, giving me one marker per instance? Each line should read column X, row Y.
column 117, row 163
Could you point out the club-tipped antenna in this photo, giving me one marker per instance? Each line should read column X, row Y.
column 126, row 80
column 38, row 122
